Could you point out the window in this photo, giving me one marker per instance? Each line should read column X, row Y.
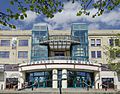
column 116, row 42
column 118, row 54
column 112, row 54
column 23, row 54
column 92, row 42
column 98, row 42
column 4, row 54
column 93, row 54
column 111, row 42
column 5, row 43
column 98, row 54
column 23, row 42
column 95, row 42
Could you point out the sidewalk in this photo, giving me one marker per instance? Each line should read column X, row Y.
column 56, row 91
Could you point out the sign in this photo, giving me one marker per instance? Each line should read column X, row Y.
column 1, row 68
column 11, row 67
column 14, row 42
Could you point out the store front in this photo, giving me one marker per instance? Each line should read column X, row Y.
column 11, row 83
column 79, row 79
column 108, row 82
column 40, row 79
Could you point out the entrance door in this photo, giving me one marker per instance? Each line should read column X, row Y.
column 39, row 82
column 80, row 79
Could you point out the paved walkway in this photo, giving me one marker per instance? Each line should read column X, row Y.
column 56, row 91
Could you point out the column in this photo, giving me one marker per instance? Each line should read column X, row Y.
column 54, row 78
column 21, row 80
column 97, row 81
column 64, row 78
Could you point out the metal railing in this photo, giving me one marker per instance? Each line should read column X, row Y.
column 59, row 38
column 62, row 60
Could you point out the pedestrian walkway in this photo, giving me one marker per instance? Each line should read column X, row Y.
column 56, row 91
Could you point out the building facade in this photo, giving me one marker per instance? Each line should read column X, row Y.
column 54, row 58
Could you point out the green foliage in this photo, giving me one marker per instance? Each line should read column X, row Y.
column 112, row 52
column 50, row 7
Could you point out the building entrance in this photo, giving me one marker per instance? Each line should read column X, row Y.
column 80, row 79
column 39, row 79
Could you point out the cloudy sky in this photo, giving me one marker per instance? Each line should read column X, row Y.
column 63, row 20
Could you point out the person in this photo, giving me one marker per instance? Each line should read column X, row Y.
column 35, row 83
column 88, row 83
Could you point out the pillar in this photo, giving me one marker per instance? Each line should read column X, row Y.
column 21, row 80
column 64, row 78
column 54, row 78
column 97, row 81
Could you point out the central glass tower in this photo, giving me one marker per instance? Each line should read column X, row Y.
column 80, row 51
column 39, row 52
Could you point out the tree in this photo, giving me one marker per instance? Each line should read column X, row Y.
column 113, row 52
column 50, row 7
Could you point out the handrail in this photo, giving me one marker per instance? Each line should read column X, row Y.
column 59, row 37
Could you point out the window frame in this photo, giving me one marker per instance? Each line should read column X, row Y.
column 93, row 44
column 5, row 44
column 97, row 43
column 21, row 43
column 97, row 56
column 23, row 54
column 94, row 54
column 5, row 56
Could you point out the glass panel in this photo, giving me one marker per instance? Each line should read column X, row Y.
column 108, row 82
column 117, row 42
column 22, row 54
column 5, row 43
column 93, row 54
column 92, row 42
column 111, row 42
column 98, row 54
column 23, row 42
column 40, row 79
column 4, row 54
column 80, row 79
column 98, row 42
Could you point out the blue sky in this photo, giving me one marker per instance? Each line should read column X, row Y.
column 63, row 20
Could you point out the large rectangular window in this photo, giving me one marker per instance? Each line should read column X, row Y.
column 98, row 42
column 23, row 42
column 92, row 42
column 117, row 42
column 5, row 43
column 22, row 54
column 98, row 54
column 111, row 42
column 93, row 54
column 4, row 54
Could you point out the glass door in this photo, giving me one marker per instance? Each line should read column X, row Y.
column 41, row 82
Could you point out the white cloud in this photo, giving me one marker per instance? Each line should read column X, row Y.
column 68, row 16
column 31, row 17
column 93, row 26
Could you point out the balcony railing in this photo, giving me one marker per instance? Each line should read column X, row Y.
column 54, row 38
